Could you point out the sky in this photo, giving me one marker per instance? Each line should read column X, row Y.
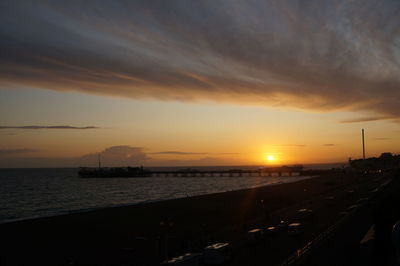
column 186, row 83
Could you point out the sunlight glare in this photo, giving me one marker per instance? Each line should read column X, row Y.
column 270, row 158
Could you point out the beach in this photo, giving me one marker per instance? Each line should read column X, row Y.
column 145, row 234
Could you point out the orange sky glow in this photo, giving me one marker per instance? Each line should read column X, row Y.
column 154, row 84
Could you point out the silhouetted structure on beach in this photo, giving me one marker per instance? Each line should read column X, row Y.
column 386, row 161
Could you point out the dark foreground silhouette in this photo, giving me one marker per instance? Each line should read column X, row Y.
column 147, row 234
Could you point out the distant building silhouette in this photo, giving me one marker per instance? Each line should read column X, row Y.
column 386, row 161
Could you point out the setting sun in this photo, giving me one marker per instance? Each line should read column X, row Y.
column 270, row 158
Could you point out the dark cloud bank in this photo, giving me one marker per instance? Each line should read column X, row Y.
column 316, row 55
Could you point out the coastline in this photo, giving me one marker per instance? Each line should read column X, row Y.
column 139, row 228
column 67, row 211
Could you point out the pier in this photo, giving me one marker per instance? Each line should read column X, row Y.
column 105, row 172
column 270, row 171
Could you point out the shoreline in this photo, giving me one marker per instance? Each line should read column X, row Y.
column 101, row 237
column 85, row 210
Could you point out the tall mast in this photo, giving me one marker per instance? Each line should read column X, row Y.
column 363, row 143
column 99, row 162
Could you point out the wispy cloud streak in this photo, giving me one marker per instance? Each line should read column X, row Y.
column 364, row 119
column 179, row 153
column 47, row 127
column 6, row 152
column 316, row 55
column 292, row 145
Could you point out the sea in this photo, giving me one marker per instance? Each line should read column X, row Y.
column 33, row 193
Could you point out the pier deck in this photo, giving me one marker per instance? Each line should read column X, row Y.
column 270, row 171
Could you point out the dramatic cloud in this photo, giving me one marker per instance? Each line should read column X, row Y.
column 180, row 153
column 46, row 127
column 316, row 55
column 8, row 152
column 113, row 156
column 116, row 156
column 382, row 138
column 330, row 145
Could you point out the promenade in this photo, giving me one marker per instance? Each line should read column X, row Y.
column 135, row 235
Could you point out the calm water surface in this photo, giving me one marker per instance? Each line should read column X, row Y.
column 26, row 193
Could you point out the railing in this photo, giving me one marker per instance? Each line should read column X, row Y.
column 300, row 254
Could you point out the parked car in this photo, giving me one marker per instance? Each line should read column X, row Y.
column 217, row 253
column 188, row 259
column 295, row 229
column 282, row 225
column 270, row 231
column 304, row 214
column 254, row 236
